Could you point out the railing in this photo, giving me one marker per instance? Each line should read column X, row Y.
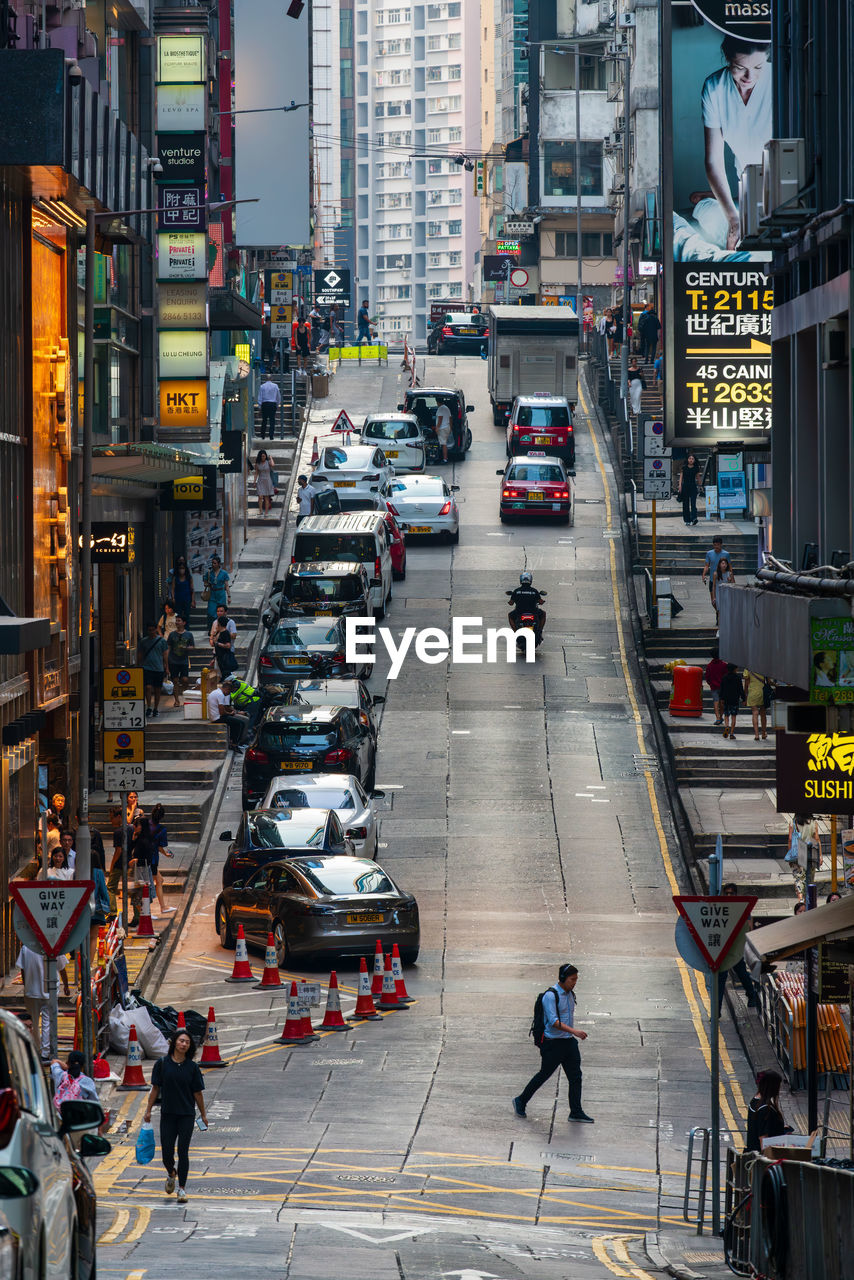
column 738, row 1201
column 699, row 1194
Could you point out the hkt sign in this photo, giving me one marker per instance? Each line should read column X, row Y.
column 184, row 403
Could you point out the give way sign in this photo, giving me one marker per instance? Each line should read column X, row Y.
column 51, row 908
column 714, row 923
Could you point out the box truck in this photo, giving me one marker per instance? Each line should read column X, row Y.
column 531, row 349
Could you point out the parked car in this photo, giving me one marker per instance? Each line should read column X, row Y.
column 339, row 692
column 267, row 834
column 341, row 792
column 86, row 1200
column 321, row 907
column 321, row 590
column 462, row 332
column 542, row 421
column 296, row 648
column 422, row 403
column 34, row 1159
column 305, row 739
column 423, row 504
column 532, row 484
column 357, row 537
column 354, row 472
column 399, row 436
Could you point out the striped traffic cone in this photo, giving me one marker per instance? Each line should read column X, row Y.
column 308, row 1031
column 181, row 1024
column 293, row 1033
column 364, row 1010
column 270, row 977
column 403, row 996
column 133, row 1078
column 210, row 1049
column 333, row 1019
column 241, row 971
column 377, row 979
column 145, row 929
column 389, row 1002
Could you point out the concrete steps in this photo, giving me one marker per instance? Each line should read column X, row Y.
column 683, row 554
column 180, row 739
column 184, row 818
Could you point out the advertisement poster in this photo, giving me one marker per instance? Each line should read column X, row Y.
column 832, row 670
column 204, row 539
column 718, row 297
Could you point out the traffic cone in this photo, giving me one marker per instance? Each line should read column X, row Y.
column 145, row 929
column 389, row 1001
column 293, row 1032
column 181, row 1024
column 133, row 1078
column 308, row 1031
column 270, row 976
column 403, row 996
column 100, row 1068
column 315, row 455
column 241, row 971
column 364, row 1009
column 333, row 1019
column 210, row 1049
column 377, row 979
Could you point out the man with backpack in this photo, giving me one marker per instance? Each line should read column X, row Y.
column 556, row 1038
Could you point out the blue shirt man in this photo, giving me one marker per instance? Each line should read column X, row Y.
column 559, row 1047
column 364, row 321
column 714, row 555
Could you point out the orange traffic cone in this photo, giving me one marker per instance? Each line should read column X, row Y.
column 270, row 976
column 293, row 1032
column 315, row 455
column 403, row 996
column 133, row 1077
column 145, row 929
column 100, row 1068
column 377, row 979
column 364, row 1009
column 333, row 1019
column 102, row 954
column 389, row 1001
column 181, row 1023
column 308, row 1031
column 210, row 1049
column 241, row 971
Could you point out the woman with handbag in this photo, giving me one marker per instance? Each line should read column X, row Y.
column 178, row 1084
column 216, row 588
column 754, row 693
column 264, row 483
column 223, row 647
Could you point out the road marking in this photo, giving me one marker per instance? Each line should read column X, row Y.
column 621, row 1251
column 143, row 1217
column 417, row 1230
column 705, row 1047
column 120, row 1221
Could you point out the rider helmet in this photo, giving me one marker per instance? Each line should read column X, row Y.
column 525, row 579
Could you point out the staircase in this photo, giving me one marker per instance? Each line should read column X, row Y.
column 245, row 619
column 184, row 818
column 682, row 553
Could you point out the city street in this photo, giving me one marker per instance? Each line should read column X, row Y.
column 525, row 809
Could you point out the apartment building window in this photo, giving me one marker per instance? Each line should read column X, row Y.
column 399, row 108
column 401, row 138
column 455, row 227
column 438, row 11
column 436, row 166
column 455, row 289
column 455, row 40
column 399, row 75
column 389, row 17
column 394, row 261
column 345, row 28
column 441, row 105
column 455, row 134
column 389, row 48
column 434, row 43
column 455, row 71
column 455, row 196
column 436, row 290
column 434, row 136
column 559, row 169
column 434, row 228
column 434, row 259
column 394, row 231
column 594, row 244
column 434, row 73
column 393, row 292
column 455, row 258
column 347, row 177
column 346, row 78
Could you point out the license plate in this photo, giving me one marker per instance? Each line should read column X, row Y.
column 391, row 453
column 535, row 496
column 324, row 613
column 367, row 917
column 420, row 528
column 555, row 506
column 344, row 484
column 294, row 662
column 467, row 331
column 518, row 506
column 542, row 439
column 299, row 766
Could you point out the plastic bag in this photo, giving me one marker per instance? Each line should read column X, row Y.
column 145, row 1144
column 151, row 1039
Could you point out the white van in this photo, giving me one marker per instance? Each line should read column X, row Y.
column 357, row 537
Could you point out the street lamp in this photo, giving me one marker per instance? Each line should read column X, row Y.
column 627, row 157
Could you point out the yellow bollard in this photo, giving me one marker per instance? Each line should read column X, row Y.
column 206, row 688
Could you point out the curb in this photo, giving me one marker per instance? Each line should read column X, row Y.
column 659, row 1260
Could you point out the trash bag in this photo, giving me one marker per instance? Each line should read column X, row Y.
column 145, row 1144
column 151, row 1038
column 166, row 1018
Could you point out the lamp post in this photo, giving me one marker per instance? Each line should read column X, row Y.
column 627, row 157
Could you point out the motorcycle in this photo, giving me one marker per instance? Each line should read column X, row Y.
column 527, row 620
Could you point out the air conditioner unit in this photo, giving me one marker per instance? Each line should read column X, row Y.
column 612, row 48
column 614, row 90
column 784, row 168
column 606, row 12
column 749, row 200
column 626, row 20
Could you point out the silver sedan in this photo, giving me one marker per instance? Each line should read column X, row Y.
column 339, row 791
column 422, row 505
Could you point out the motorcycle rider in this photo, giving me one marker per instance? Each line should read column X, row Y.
column 527, row 599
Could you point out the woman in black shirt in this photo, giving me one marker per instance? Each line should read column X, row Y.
column 178, row 1083
column 687, row 492
column 764, row 1117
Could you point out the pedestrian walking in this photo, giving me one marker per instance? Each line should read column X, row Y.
column 179, row 645
column 637, row 385
column 152, row 650
column 220, row 708
column 731, row 695
column 222, row 613
column 315, row 320
column 754, row 694
column 181, row 588
column 687, row 488
column 217, row 590
column 764, row 1117
column 223, row 646
column 302, row 344
column 442, row 424
column 177, row 1083
column 98, row 862
column 658, row 367
column 159, row 849
column 715, row 671
column 69, row 853
column 363, row 320
column 69, row 1082
column 269, row 401
column 142, row 858
column 710, row 563
column 723, row 573
column 739, row 969
column 649, row 328
column 114, row 874
column 619, row 329
column 132, row 806
column 59, row 810
column 166, row 621
column 264, row 486
column 559, row 1046
column 305, row 496
column 36, row 997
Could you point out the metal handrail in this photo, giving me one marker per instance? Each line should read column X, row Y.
column 704, row 1172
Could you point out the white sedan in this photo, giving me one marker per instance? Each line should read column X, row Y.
column 355, row 472
column 400, row 437
column 342, row 792
column 422, row 504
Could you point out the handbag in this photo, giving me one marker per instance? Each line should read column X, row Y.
column 274, row 478
column 145, row 1144
column 206, row 594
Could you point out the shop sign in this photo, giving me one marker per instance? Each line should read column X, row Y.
column 182, row 156
column 331, row 286
column 511, row 248
column 182, row 353
column 181, row 207
column 190, row 492
column 832, row 670
column 180, row 59
column 110, row 543
column 52, row 684
column 180, row 107
column 184, row 403
column 815, row 773
column 231, row 452
column 748, row 21
column 182, row 305
column 182, row 255
column 834, row 961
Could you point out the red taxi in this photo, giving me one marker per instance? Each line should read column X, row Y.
column 534, row 484
column 542, row 421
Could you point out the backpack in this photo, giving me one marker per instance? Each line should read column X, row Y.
column 68, row 1089
column 538, row 1022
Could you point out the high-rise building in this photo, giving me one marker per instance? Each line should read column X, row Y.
column 417, row 82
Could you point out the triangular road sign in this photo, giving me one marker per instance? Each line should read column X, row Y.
column 343, row 422
column 714, row 923
column 52, row 908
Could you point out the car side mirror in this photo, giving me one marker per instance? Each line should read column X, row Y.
column 400, row 408
column 378, row 795
column 455, row 488
column 78, row 1115
column 16, row 1182
column 499, row 472
column 571, row 473
column 93, row 1145
column 469, row 408
column 378, row 698
column 226, row 835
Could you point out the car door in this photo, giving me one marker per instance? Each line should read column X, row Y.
column 252, row 906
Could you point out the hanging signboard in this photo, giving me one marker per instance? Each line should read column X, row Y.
column 184, row 402
column 182, row 157
column 182, row 305
column 181, row 207
column 182, row 255
column 815, row 773
column 832, row 670
column 332, row 286
column 180, row 107
column 110, row 542
column 180, row 59
column 182, row 353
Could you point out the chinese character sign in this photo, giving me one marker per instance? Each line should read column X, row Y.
column 815, row 773
column 832, row 672
column 181, row 207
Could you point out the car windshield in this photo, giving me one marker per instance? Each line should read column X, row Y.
column 283, row 737
column 531, row 415
column 309, row 590
column 424, row 407
column 391, row 430
column 317, row 693
column 304, row 635
column 337, row 459
column 538, row 474
column 353, row 548
column 331, row 798
column 466, row 320
column 356, row 876
column 427, row 486
column 284, row 831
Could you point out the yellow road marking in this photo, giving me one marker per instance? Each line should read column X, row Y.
column 135, row 1275
column 600, row 1252
column 734, row 1085
column 143, row 1217
column 621, row 1250
column 120, row 1221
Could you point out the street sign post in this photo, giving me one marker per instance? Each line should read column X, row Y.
column 124, row 729
column 51, row 911
column 343, row 424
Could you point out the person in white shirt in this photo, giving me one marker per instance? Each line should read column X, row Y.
column 220, row 708
column 31, row 964
column 305, row 498
column 55, row 869
column 443, row 429
column 269, row 399
column 222, row 612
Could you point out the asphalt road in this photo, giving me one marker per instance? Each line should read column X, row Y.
column 525, row 808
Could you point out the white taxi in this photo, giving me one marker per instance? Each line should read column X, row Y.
column 355, row 472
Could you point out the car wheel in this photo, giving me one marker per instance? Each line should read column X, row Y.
column 409, row 955
column 454, row 537
column 468, row 437
column 223, row 928
column 503, row 518
column 280, row 941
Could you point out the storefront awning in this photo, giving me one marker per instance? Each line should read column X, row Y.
column 788, row 937
column 149, row 463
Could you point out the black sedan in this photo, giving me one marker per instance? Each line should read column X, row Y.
column 300, row 739
column 321, row 907
column 295, row 648
column 339, row 693
column 268, row 834
column 462, row 332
